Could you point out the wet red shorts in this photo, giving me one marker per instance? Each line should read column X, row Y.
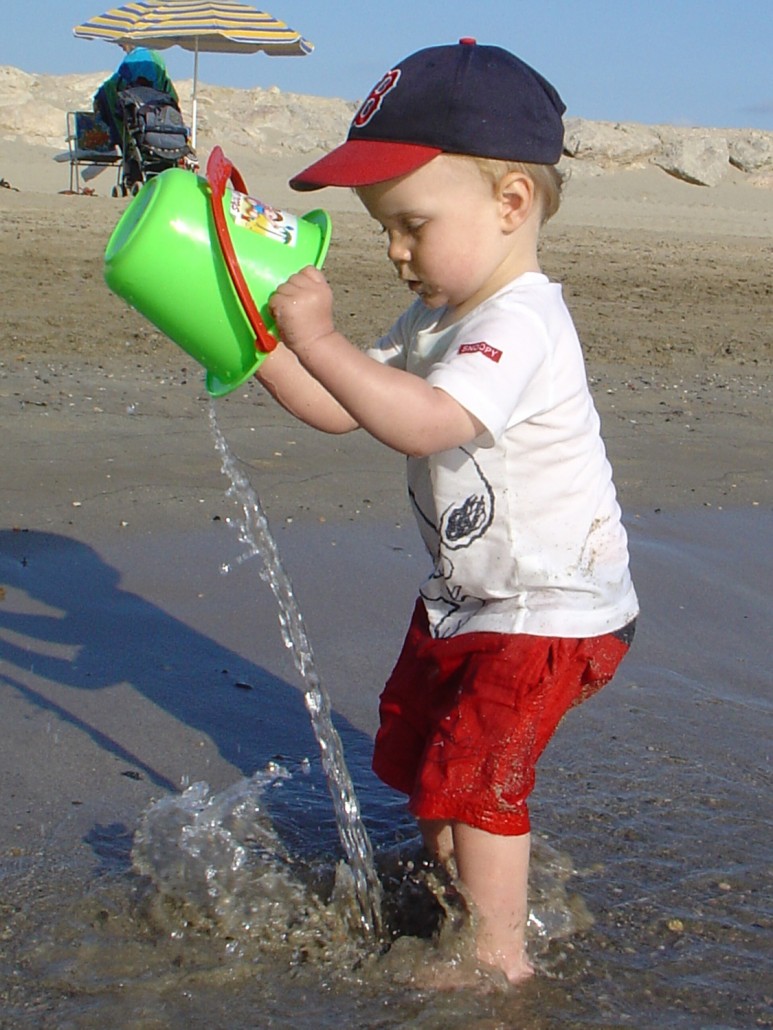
column 464, row 719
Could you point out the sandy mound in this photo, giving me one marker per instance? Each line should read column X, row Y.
column 33, row 111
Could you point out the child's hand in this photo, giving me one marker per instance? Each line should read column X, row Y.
column 303, row 308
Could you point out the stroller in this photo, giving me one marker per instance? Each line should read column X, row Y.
column 154, row 137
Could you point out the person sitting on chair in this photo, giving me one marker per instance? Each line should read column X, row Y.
column 139, row 67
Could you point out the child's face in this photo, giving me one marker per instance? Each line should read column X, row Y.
column 446, row 232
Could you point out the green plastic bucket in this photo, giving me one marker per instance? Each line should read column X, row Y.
column 201, row 261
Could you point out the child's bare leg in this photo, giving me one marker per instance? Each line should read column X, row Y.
column 495, row 871
column 438, row 838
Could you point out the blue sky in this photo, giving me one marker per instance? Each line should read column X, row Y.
column 685, row 62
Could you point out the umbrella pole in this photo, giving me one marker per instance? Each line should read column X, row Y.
column 195, row 103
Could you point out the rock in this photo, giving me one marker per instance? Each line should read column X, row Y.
column 610, row 144
column 278, row 121
column 34, row 121
column 752, row 151
column 696, row 158
column 14, row 85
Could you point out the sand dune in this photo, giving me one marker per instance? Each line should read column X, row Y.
column 275, row 124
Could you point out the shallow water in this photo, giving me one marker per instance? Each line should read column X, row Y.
column 653, row 806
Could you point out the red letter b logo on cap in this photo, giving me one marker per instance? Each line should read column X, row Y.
column 375, row 98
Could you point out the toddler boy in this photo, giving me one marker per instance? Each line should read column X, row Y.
column 529, row 606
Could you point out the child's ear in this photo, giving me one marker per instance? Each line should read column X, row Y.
column 517, row 198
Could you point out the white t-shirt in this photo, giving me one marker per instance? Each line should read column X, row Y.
column 522, row 524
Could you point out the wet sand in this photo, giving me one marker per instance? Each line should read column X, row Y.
column 132, row 666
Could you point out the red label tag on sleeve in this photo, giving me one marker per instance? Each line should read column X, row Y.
column 481, row 348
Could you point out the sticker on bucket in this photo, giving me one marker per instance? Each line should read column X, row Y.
column 258, row 217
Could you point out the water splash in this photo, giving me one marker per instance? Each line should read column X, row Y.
column 221, row 869
column 255, row 534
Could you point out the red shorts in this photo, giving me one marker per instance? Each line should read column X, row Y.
column 464, row 719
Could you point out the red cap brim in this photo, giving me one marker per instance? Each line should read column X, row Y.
column 361, row 162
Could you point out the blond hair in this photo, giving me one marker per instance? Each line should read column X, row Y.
column 546, row 178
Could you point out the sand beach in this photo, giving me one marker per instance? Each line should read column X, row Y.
column 132, row 665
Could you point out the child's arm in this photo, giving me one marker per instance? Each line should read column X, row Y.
column 398, row 408
column 301, row 394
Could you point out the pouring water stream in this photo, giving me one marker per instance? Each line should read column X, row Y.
column 255, row 534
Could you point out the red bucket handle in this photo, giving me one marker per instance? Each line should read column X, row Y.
column 219, row 171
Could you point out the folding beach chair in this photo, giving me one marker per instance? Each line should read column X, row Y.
column 89, row 146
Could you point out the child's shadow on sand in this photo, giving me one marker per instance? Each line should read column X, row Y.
column 77, row 629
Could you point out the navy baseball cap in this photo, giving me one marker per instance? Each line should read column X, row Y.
column 457, row 99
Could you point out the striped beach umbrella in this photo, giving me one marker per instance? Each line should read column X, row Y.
column 198, row 26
